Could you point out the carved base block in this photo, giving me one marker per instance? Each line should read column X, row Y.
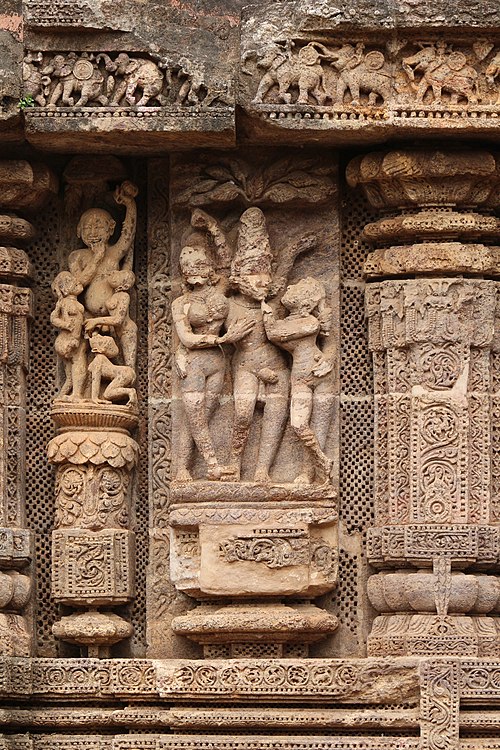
column 434, row 635
column 93, row 568
column 419, row 544
column 199, row 492
column 253, row 551
column 275, row 623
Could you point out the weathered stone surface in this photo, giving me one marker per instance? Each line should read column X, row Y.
column 318, row 482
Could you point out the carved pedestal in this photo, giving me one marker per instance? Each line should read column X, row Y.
column 434, row 340
column 24, row 187
column 95, row 411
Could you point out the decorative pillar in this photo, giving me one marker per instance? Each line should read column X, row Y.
column 24, row 187
column 432, row 308
column 95, row 411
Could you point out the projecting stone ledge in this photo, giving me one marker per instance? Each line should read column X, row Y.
column 129, row 129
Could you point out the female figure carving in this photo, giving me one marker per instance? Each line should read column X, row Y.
column 297, row 334
column 198, row 317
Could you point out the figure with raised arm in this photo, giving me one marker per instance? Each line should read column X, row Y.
column 199, row 315
column 93, row 264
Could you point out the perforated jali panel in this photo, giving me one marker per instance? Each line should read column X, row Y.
column 357, row 430
column 41, row 385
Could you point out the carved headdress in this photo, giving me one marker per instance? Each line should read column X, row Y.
column 253, row 251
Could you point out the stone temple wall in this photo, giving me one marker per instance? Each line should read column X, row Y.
column 249, row 375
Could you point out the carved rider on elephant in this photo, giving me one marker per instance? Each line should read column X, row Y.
column 442, row 70
column 359, row 71
column 303, row 70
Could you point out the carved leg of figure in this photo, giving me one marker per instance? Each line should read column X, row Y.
column 79, row 372
column 265, row 85
column 300, row 415
column 116, row 391
column 54, row 97
column 321, row 419
column 354, row 87
column 273, row 424
column 128, row 341
column 183, row 92
column 341, row 89
column 246, row 387
column 130, row 94
column 68, row 381
column 196, row 411
column 184, row 452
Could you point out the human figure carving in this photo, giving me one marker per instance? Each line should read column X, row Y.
column 260, row 371
column 120, row 377
column 198, row 317
column 297, row 334
column 118, row 318
column 94, row 264
column 68, row 316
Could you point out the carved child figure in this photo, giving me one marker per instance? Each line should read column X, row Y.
column 120, row 377
column 118, row 306
column 68, row 317
column 298, row 334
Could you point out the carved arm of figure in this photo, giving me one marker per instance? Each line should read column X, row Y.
column 286, row 260
column 125, row 195
column 202, row 220
column 279, row 331
column 191, row 340
column 121, row 305
column 85, row 270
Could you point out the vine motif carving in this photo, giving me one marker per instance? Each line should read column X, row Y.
column 440, row 705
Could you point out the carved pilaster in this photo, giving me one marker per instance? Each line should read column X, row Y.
column 434, row 341
column 24, row 187
column 95, row 411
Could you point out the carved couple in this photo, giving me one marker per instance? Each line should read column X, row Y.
column 100, row 274
column 260, row 370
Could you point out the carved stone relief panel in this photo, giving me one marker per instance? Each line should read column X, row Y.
column 341, row 82
column 156, row 94
column 255, row 407
column 434, row 338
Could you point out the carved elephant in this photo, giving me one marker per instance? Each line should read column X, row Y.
column 442, row 71
column 76, row 76
column 361, row 72
column 135, row 74
column 304, row 71
column 454, row 76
